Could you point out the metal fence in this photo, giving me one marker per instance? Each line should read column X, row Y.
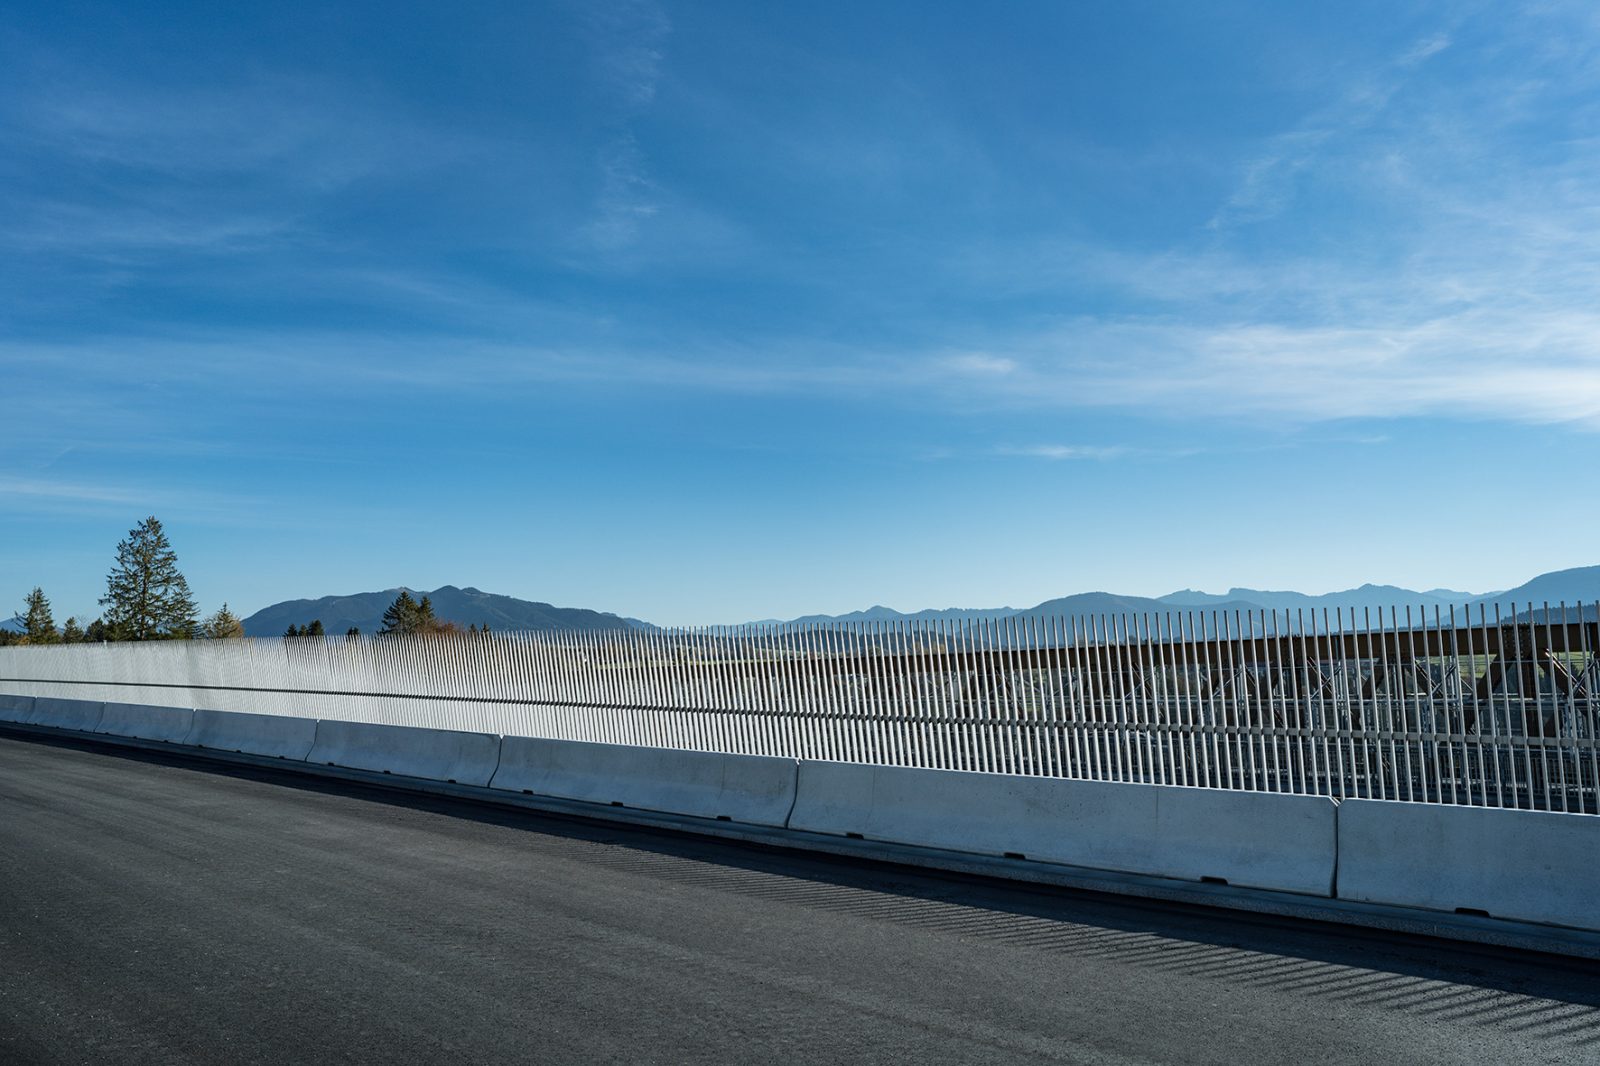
column 1453, row 707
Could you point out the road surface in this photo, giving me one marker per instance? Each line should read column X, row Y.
column 161, row 909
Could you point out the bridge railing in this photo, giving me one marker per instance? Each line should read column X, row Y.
column 1479, row 707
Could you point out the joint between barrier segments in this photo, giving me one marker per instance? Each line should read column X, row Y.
column 499, row 756
column 794, row 796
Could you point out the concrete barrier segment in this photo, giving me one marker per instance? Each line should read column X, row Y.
column 15, row 708
column 1258, row 840
column 272, row 735
column 752, row 789
column 436, row 754
column 146, row 722
column 1531, row 866
column 82, row 715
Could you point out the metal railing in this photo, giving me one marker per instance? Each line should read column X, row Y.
column 1472, row 708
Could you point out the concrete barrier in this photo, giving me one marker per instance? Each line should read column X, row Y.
column 274, row 735
column 436, row 754
column 146, row 722
column 753, row 789
column 1532, row 866
column 15, row 708
column 83, row 715
column 1260, row 840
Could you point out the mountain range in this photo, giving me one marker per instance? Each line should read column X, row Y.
column 1578, row 585
column 468, row 606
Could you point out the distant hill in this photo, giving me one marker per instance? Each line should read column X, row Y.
column 470, row 606
column 1575, row 585
column 465, row 607
column 1580, row 583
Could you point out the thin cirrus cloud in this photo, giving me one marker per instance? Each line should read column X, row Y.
column 43, row 495
column 1060, row 452
column 1541, row 368
column 1266, row 187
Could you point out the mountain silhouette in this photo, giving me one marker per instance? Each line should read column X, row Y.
column 463, row 606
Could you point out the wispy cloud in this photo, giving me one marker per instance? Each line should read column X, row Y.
column 238, row 162
column 1267, row 184
column 627, row 197
column 1060, row 452
column 41, row 495
column 977, row 364
column 628, row 44
column 22, row 489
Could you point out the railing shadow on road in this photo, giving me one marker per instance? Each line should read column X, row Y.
column 1548, row 998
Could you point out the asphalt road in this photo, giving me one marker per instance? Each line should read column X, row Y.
column 158, row 909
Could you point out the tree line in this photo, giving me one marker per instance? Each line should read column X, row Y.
column 404, row 615
column 148, row 598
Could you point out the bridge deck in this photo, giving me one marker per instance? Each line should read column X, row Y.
column 156, row 909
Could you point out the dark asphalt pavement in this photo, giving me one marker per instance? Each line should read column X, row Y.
column 159, row 909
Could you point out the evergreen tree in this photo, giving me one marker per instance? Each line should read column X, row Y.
column 39, row 625
column 402, row 616
column 406, row 615
column 352, row 632
column 224, row 625
column 146, row 597
column 315, row 628
column 294, row 631
column 96, row 632
column 72, row 633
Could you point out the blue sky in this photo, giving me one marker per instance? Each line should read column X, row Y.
column 709, row 312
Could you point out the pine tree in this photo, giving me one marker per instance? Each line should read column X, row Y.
column 224, row 625
column 315, row 628
column 96, row 632
column 352, row 632
column 72, row 633
column 146, row 597
column 39, row 625
column 401, row 615
column 406, row 615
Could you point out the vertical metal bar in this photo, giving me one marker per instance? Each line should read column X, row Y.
column 1103, row 753
column 1107, row 736
column 1495, row 744
column 1138, row 733
column 938, row 703
column 1538, row 705
column 1591, row 723
column 1045, row 692
column 1281, row 733
column 1128, row 668
column 1518, row 769
column 1416, row 773
column 1565, row 712
column 1299, row 651
column 1185, row 716
column 1013, row 664
column 850, row 727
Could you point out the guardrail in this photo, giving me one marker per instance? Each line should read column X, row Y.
column 1493, row 711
